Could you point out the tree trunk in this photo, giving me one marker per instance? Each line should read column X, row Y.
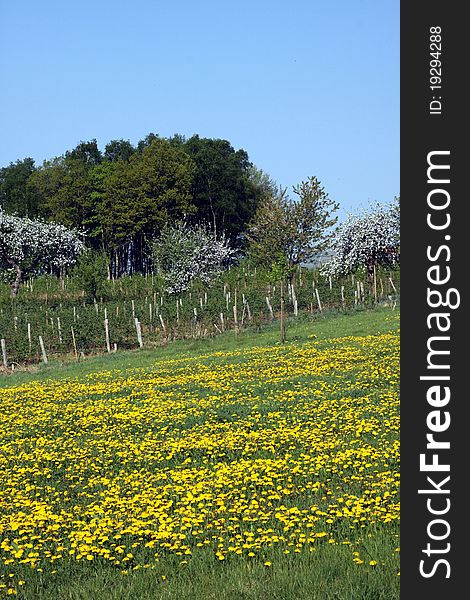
column 16, row 284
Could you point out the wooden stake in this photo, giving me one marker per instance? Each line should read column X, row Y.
column 74, row 343
column 106, row 333
column 30, row 341
column 43, row 350
column 270, row 308
column 375, row 285
column 318, row 299
column 139, row 333
column 4, row 353
column 283, row 327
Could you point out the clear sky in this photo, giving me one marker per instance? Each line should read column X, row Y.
column 305, row 87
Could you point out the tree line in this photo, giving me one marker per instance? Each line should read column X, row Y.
column 121, row 198
column 183, row 209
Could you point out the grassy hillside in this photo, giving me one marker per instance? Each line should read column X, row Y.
column 232, row 468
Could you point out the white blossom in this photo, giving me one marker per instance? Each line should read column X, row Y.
column 183, row 253
column 366, row 240
column 31, row 247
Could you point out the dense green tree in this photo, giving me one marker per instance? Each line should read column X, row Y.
column 118, row 150
column 16, row 197
column 91, row 272
column 148, row 139
column 222, row 192
column 63, row 186
column 141, row 196
column 86, row 152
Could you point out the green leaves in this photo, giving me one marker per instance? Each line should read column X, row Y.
column 297, row 230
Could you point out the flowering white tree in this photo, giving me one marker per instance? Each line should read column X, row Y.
column 183, row 253
column 29, row 247
column 366, row 240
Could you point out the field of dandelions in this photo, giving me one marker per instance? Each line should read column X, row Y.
column 252, row 455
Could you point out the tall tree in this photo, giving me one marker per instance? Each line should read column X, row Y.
column 221, row 189
column 142, row 195
column 63, row 186
column 15, row 194
column 292, row 231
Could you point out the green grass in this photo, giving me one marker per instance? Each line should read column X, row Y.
column 326, row 574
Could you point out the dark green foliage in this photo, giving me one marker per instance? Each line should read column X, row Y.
column 223, row 193
column 91, row 274
column 118, row 150
column 86, row 152
column 16, row 197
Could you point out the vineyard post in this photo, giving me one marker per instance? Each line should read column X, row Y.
column 318, row 300
column 74, row 343
column 139, row 332
column 375, row 285
column 4, row 353
column 283, row 327
column 294, row 300
column 106, row 333
column 270, row 307
column 43, row 350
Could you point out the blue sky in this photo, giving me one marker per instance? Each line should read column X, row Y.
column 305, row 87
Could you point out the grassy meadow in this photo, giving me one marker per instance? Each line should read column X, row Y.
column 226, row 468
